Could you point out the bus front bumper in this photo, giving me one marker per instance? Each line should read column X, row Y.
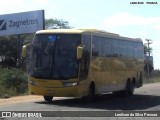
column 69, row 91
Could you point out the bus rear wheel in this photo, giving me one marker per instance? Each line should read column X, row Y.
column 130, row 85
column 48, row 98
column 129, row 88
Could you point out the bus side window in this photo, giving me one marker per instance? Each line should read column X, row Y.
column 125, row 48
column 130, row 49
column 115, row 48
column 106, row 47
column 140, row 48
column 84, row 68
column 135, row 50
column 96, row 46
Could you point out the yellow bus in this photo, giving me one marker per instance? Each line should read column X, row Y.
column 83, row 63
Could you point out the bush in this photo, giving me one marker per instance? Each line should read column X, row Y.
column 12, row 82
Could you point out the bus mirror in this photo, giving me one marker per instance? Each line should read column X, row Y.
column 79, row 52
column 24, row 50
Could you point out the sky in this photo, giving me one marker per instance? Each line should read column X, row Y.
column 117, row 16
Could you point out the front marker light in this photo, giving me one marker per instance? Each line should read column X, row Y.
column 70, row 84
column 32, row 82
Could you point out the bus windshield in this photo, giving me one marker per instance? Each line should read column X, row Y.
column 53, row 56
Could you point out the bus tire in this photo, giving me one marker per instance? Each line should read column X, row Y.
column 91, row 93
column 48, row 98
column 129, row 89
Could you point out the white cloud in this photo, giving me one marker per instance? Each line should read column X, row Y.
column 155, row 44
column 13, row 6
column 10, row 6
column 11, row 2
column 157, row 27
column 41, row 2
column 125, row 19
column 143, row 33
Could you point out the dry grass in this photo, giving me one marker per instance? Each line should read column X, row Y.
column 151, row 80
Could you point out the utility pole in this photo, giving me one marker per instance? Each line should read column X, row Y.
column 148, row 46
column 148, row 56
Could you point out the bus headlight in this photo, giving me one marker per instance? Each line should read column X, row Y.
column 32, row 82
column 70, row 84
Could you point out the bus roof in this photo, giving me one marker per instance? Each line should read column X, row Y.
column 65, row 31
column 80, row 31
column 74, row 31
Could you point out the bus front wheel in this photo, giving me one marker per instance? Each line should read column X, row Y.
column 91, row 93
column 48, row 98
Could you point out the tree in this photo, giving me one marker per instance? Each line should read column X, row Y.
column 8, row 51
column 145, row 49
column 8, row 44
column 56, row 24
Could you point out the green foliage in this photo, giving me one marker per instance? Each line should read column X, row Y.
column 8, row 44
column 55, row 24
column 12, row 82
column 8, row 47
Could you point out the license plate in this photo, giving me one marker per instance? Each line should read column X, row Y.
column 52, row 92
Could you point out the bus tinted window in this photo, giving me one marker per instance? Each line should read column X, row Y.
column 106, row 47
column 140, row 48
column 96, row 46
column 135, row 49
column 115, row 49
column 109, row 47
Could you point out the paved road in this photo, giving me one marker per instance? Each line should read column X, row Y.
column 146, row 98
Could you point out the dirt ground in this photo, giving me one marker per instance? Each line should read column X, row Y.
column 20, row 99
column 28, row 98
